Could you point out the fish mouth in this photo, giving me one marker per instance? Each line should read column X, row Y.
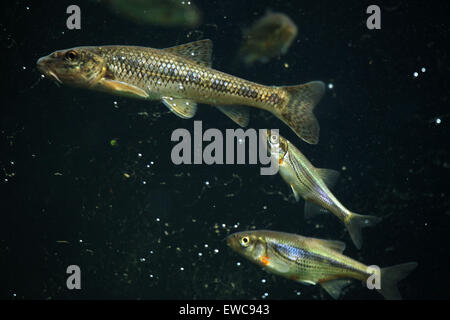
column 42, row 66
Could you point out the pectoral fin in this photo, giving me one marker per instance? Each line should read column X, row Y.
column 283, row 267
column 238, row 114
column 122, row 88
column 181, row 107
column 296, row 195
column 307, row 282
column 334, row 287
column 279, row 264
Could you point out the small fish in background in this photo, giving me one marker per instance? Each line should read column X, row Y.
column 268, row 37
column 313, row 261
column 313, row 185
column 164, row 13
column 181, row 77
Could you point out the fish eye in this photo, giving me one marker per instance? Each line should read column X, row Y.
column 245, row 241
column 71, row 55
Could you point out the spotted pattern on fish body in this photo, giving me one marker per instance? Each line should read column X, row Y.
column 168, row 74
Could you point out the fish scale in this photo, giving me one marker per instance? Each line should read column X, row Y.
column 156, row 70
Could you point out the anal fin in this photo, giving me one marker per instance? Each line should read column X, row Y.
column 312, row 210
column 181, row 107
column 334, row 287
column 238, row 114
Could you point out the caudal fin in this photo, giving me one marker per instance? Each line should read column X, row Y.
column 390, row 276
column 298, row 114
column 355, row 222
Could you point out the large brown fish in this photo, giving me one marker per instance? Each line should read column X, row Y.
column 181, row 77
column 315, row 261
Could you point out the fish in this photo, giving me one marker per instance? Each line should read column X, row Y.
column 164, row 13
column 312, row 184
column 181, row 77
column 268, row 37
column 315, row 261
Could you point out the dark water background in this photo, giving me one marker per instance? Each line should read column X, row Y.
column 65, row 199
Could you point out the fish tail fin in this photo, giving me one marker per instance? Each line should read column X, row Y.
column 355, row 222
column 298, row 114
column 390, row 276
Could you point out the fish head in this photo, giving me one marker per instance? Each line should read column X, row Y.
column 276, row 145
column 248, row 244
column 76, row 67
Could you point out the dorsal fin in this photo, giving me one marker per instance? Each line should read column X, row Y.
column 335, row 245
column 329, row 176
column 198, row 51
